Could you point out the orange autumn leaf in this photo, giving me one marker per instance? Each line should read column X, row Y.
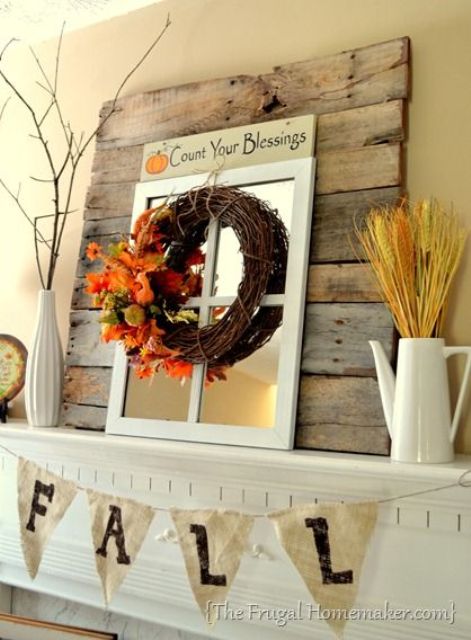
column 169, row 282
column 178, row 368
column 144, row 371
column 112, row 332
column 93, row 251
column 142, row 221
column 98, row 282
column 143, row 293
column 120, row 279
column 127, row 259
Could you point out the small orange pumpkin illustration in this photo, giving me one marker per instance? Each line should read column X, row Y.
column 157, row 163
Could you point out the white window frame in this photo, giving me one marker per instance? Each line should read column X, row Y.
column 281, row 435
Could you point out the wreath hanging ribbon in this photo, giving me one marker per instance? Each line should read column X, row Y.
column 149, row 277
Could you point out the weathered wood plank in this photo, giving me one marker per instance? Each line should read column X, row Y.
column 341, row 283
column 333, row 401
column 336, row 337
column 341, row 413
column 337, row 171
column 364, row 126
column 87, row 385
column 118, row 164
column 85, row 347
column 105, row 232
column 100, row 230
column 81, row 416
column 117, row 197
column 355, row 169
column 80, row 299
column 361, row 127
column 333, row 239
column 360, row 77
column 372, row 440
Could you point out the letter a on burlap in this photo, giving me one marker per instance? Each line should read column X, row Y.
column 119, row 527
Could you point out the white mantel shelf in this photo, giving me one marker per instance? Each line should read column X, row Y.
column 101, row 448
column 420, row 555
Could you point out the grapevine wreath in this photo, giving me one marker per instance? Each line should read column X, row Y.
column 149, row 277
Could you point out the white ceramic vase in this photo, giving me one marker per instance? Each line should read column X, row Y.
column 416, row 401
column 45, row 366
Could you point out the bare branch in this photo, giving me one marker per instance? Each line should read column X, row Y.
column 41, row 179
column 52, row 215
column 46, row 113
column 69, row 155
column 83, row 145
column 52, row 90
column 4, row 107
column 46, row 89
column 58, row 54
column 122, row 85
column 33, row 116
column 16, row 198
column 74, row 153
column 36, row 251
column 11, row 41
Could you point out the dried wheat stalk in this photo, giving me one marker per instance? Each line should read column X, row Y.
column 414, row 251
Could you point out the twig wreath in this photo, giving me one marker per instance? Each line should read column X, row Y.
column 149, row 278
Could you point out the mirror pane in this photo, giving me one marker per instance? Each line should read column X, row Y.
column 228, row 272
column 248, row 397
column 158, row 397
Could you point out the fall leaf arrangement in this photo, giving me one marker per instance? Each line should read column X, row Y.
column 414, row 250
column 142, row 296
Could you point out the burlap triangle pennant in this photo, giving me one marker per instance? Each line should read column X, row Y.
column 212, row 543
column 119, row 527
column 327, row 544
column 43, row 499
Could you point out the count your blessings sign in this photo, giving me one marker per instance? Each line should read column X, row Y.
column 272, row 141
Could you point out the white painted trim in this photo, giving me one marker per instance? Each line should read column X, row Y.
column 281, row 436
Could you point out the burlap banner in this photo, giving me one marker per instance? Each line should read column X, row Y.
column 327, row 544
column 212, row 543
column 43, row 499
column 119, row 527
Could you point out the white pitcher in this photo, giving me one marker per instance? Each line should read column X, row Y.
column 416, row 403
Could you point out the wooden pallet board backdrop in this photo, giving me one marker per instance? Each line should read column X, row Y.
column 360, row 97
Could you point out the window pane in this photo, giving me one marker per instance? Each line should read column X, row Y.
column 228, row 273
column 161, row 396
column 248, row 396
column 279, row 195
column 158, row 397
column 229, row 264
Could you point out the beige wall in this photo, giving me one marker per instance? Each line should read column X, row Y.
column 211, row 38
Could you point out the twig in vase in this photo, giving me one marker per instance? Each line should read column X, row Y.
column 63, row 171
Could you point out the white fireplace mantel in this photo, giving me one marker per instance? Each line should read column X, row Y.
column 420, row 555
